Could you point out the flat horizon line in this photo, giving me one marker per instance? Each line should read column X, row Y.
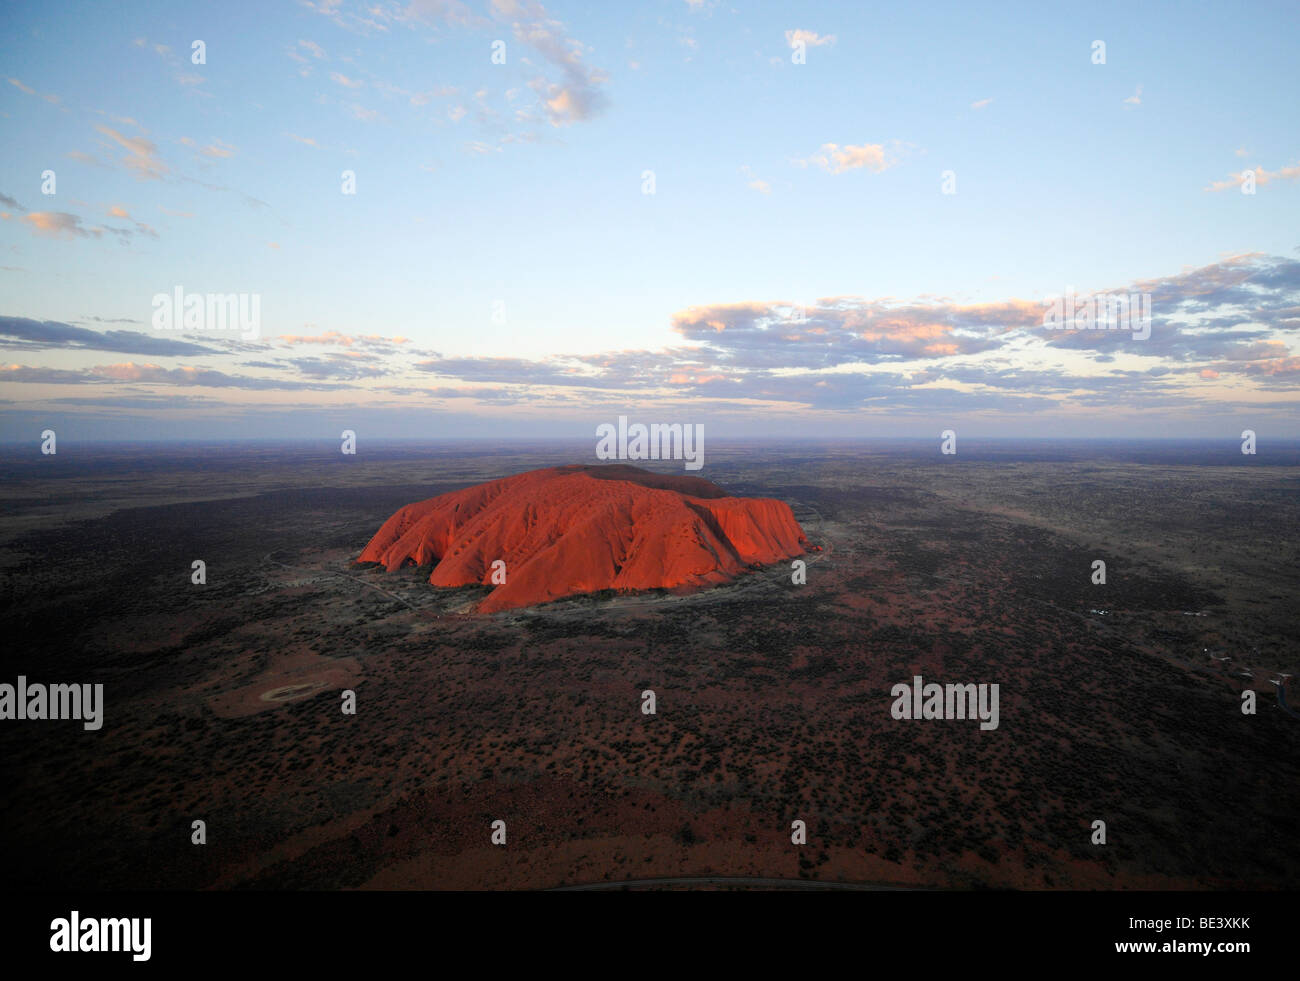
column 536, row 441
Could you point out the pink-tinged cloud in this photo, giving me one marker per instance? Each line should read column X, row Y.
column 718, row 317
column 567, row 105
column 59, row 224
column 1233, row 319
column 218, row 149
column 336, row 337
column 838, row 159
column 577, row 96
column 844, row 330
column 142, row 155
column 691, row 378
column 85, row 158
column 27, row 89
column 1262, row 177
column 1276, row 367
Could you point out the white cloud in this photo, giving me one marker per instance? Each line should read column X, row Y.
column 810, row 38
column 755, row 182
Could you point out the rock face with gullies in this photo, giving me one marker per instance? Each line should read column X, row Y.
column 569, row 530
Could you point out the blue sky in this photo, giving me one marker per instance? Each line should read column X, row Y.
column 500, row 268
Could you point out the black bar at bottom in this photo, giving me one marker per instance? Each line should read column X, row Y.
column 648, row 928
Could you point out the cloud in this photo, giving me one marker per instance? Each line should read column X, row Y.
column 188, row 79
column 20, row 333
column 144, row 401
column 1232, row 323
column 810, row 39
column 1136, row 98
column 28, row 90
column 562, row 371
column 125, row 120
column 305, row 140
column 42, row 376
column 60, row 224
column 848, row 330
column 442, row 11
column 568, row 91
column 117, row 211
column 344, row 340
column 311, row 46
column 837, row 159
column 86, row 158
column 337, row 366
column 249, row 200
column 1230, row 310
column 369, row 21
column 142, row 155
column 218, row 149
column 755, row 182
column 328, row 337
column 190, row 376
column 981, row 103
column 484, row 396
column 424, row 98
column 1262, row 177
column 351, row 83
column 1237, row 314
column 577, row 96
column 570, row 104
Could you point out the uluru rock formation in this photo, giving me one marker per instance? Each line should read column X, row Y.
column 563, row 531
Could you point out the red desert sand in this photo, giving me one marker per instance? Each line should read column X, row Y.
column 569, row 530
